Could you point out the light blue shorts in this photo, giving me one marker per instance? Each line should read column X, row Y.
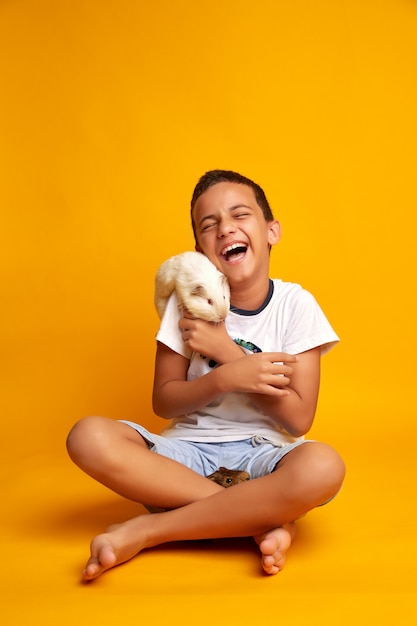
column 257, row 456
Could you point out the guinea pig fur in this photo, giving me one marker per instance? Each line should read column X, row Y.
column 200, row 287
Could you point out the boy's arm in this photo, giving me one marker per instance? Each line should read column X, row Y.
column 287, row 392
column 293, row 411
column 174, row 395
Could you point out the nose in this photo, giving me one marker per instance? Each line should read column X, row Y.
column 225, row 227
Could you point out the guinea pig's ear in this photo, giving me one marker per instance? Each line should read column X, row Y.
column 198, row 290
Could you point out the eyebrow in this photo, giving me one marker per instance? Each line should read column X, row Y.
column 230, row 209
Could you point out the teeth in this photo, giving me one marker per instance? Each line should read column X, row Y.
column 232, row 247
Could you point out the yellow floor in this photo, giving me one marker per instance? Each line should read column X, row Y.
column 353, row 561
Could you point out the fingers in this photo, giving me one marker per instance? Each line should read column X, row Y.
column 187, row 323
column 280, row 372
column 186, row 313
column 279, row 381
column 283, row 357
column 283, row 371
column 274, row 388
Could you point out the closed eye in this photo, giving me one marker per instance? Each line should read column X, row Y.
column 207, row 226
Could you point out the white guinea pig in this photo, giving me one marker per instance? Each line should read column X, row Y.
column 200, row 287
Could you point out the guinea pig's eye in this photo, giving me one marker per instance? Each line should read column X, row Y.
column 209, row 301
column 229, row 480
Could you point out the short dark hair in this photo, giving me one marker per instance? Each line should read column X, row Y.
column 213, row 177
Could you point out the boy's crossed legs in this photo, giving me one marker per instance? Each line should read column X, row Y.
column 114, row 454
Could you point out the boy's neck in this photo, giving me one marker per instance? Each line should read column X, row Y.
column 249, row 299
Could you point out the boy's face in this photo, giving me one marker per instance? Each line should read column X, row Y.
column 232, row 232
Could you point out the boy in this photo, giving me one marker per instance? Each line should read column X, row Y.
column 246, row 390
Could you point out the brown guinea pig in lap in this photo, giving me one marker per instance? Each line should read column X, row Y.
column 228, row 478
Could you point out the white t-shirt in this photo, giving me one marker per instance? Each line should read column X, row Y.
column 290, row 320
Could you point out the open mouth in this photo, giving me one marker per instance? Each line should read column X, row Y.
column 234, row 252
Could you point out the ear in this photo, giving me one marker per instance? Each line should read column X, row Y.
column 274, row 232
column 198, row 290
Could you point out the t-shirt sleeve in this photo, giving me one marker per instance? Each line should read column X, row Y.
column 306, row 326
column 169, row 334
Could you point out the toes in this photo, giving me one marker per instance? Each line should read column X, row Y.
column 273, row 547
column 103, row 558
column 107, row 557
column 269, row 545
column 268, row 561
column 272, row 564
column 92, row 570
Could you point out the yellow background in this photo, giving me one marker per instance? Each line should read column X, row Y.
column 109, row 113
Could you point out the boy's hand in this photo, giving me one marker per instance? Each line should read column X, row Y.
column 207, row 338
column 263, row 373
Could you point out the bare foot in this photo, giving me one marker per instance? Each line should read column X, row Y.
column 274, row 545
column 120, row 543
